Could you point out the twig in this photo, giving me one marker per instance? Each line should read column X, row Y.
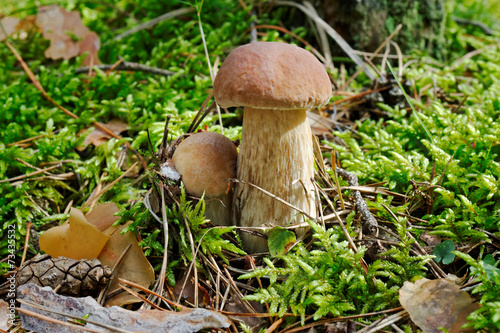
column 162, row 151
column 359, row 95
column 323, row 38
column 334, row 34
column 478, row 24
column 209, row 64
column 253, row 31
column 434, row 266
column 370, row 225
column 388, row 56
column 34, row 173
column 411, row 104
column 127, row 66
column 339, row 319
column 144, row 299
column 456, row 108
column 344, row 229
column 288, row 32
column 201, row 114
column 26, row 243
column 234, row 180
column 113, row 66
column 37, row 83
column 138, row 286
column 372, row 65
column 400, row 59
column 161, row 282
column 274, row 326
column 102, row 294
column 98, row 195
column 40, row 209
column 153, row 22
column 38, row 86
column 238, row 293
column 377, row 326
column 469, row 55
column 195, row 268
column 388, row 39
column 336, row 178
column 18, row 143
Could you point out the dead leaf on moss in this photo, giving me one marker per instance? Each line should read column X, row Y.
column 187, row 320
column 436, row 303
column 103, row 216
column 77, row 239
column 134, row 266
column 429, row 239
column 91, row 44
column 67, row 34
column 9, row 25
column 98, row 137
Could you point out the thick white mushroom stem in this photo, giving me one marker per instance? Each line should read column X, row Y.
column 276, row 154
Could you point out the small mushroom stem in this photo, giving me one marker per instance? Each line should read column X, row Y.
column 276, row 154
column 218, row 209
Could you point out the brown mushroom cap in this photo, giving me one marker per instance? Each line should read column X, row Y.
column 271, row 75
column 205, row 160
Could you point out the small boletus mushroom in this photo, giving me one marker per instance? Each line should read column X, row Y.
column 205, row 161
column 276, row 83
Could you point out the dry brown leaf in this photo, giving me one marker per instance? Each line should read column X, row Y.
column 61, row 47
column 436, row 303
column 320, row 125
column 97, row 137
column 77, row 239
column 187, row 320
column 103, row 216
column 91, row 44
column 134, row 266
column 12, row 25
column 9, row 25
column 431, row 240
column 67, row 34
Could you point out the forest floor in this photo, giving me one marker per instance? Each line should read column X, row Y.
column 95, row 96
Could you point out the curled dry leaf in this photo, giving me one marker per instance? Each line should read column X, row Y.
column 103, row 216
column 67, row 34
column 77, row 239
column 97, row 137
column 134, row 266
column 91, row 44
column 187, row 320
column 436, row 303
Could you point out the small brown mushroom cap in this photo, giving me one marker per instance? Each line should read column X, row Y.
column 205, row 160
column 271, row 75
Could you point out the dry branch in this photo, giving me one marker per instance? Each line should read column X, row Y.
column 127, row 66
column 370, row 225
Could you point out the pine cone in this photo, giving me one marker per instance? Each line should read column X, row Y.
column 73, row 277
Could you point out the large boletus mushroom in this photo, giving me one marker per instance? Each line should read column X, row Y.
column 276, row 83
